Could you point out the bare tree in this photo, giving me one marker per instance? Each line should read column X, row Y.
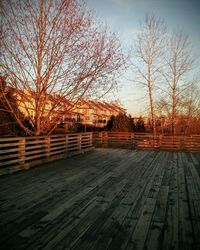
column 179, row 61
column 187, row 109
column 149, row 48
column 50, row 51
column 190, row 107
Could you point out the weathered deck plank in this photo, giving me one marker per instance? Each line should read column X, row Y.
column 107, row 199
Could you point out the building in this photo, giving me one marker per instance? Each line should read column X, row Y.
column 95, row 113
column 56, row 109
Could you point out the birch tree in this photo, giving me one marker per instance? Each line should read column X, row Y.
column 179, row 61
column 52, row 51
column 149, row 48
column 190, row 108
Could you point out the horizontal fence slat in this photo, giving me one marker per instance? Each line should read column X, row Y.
column 5, row 151
column 11, row 161
column 58, row 147
column 8, row 145
column 34, row 142
column 36, row 146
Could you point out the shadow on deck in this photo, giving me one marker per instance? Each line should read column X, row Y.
column 106, row 199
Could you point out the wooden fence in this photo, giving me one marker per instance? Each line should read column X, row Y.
column 23, row 152
column 147, row 141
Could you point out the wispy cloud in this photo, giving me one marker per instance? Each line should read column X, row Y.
column 122, row 3
column 131, row 31
column 125, row 3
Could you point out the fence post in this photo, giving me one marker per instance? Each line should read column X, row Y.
column 66, row 143
column 105, row 137
column 160, row 138
column 101, row 138
column 91, row 140
column 132, row 141
column 135, row 141
column 47, row 145
column 22, row 144
column 79, row 142
column 182, row 143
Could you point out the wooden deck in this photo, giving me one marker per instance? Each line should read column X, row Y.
column 106, row 199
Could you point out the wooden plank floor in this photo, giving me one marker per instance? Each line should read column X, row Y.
column 106, row 199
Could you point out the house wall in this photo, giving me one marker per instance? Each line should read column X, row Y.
column 89, row 112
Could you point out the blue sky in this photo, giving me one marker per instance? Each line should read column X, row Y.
column 123, row 17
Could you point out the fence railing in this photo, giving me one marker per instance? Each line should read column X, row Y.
column 147, row 141
column 23, row 152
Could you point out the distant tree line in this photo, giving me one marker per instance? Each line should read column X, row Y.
column 119, row 123
column 124, row 123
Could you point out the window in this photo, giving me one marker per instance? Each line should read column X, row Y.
column 32, row 114
column 87, row 118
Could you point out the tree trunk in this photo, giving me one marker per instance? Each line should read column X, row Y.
column 174, row 99
column 151, row 99
column 173, row 114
